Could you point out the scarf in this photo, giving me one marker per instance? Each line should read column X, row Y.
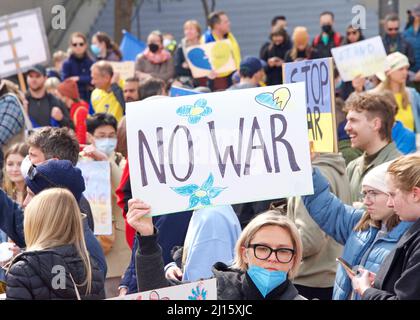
column 158, row 57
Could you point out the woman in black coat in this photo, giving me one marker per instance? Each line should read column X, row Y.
column 56, row 263
column 268, row 248
column 398, row 277
column 274, row 54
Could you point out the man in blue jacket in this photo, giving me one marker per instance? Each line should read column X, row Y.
column 49, row 174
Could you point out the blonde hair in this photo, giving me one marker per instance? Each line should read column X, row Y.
column 59, row 56
column 303, row 34
column 269, row 218
column 53, row 219
column 52, row 83
column 386, row 85
column 405, row 172
column 195, row 24
column 366, row 221
column 8, row 186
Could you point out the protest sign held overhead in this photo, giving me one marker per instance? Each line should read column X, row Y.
column 362, row 58
column 319, row 87
column 209, row 149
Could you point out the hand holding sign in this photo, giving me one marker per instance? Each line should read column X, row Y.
column 136, row 217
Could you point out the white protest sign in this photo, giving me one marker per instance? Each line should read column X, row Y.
column 364, row 58
column 219, row 148
column 125, row 68
column 97, row 176
column 200, row 290
column 23, row 42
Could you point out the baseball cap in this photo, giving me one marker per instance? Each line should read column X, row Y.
column 39, row 69
column 250, row 66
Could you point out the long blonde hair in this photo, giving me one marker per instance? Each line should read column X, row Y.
column 386, row 85
column 269, row 218
column 53, row 219
column 8, row 185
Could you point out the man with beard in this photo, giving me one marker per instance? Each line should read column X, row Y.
column 131, row 89
column 44, row 109
column 393, row 39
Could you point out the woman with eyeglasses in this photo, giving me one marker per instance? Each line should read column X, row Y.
column 398, row 277
column 56, row 263
column 77, row 66
column 367, row 234
column 267, row 256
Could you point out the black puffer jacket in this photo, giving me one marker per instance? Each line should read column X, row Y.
column 32, row 277
column 232, row 284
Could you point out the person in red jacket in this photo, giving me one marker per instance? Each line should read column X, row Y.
column 79, row 109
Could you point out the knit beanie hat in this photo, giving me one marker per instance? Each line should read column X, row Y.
column 56, row 174
column 375, row 178
column 68, row 88
column 300, row 36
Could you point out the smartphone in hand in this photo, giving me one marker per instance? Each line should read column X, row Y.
column 346, row 266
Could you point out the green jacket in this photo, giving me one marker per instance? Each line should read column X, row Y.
column 355, row 168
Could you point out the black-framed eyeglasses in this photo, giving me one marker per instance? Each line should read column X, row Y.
column 33, row 172
column 263, row 252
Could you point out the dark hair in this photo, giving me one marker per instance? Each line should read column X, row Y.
column 277, row 18
column 132, row 79
column 151, row 87
column 376, row 105
column 327, row 13
column 391, row 17
column 361, row 37
column 110, row 45
column 100, row 119
column 56, row 143
column 214, row 18
column 279, row 31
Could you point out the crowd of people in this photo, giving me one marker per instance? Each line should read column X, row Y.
column 365, row 207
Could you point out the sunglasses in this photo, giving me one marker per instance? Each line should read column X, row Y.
column 393, row 29
column 80, row 44
column 33, row 172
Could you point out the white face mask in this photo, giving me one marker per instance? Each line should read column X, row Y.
column 106, row 145
column 166, row 42
column 25, row 165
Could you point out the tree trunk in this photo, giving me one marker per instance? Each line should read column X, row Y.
column 207, row 9
column 123, row 12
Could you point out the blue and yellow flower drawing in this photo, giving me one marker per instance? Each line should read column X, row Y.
column 195, row 112
column 200, row 195
column 198, row 293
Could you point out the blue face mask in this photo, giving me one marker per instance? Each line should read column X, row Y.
column 95, row 49
column 106, row 145
column 265, row 280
